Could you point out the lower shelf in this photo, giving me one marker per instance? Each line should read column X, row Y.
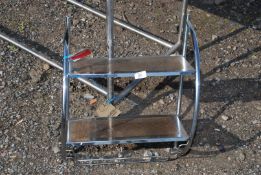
column 119, row 130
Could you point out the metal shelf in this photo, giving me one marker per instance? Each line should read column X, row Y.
column 128, row 67
column 118, row 130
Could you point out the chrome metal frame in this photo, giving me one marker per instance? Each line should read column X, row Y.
column 185, row 28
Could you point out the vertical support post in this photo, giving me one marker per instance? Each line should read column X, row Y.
column 65, row 112
column 66, row 69
column 110, row 45
column 184, row 52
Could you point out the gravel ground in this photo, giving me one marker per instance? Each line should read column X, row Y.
column 228, row 136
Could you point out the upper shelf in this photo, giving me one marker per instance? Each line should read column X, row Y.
column 130, row 66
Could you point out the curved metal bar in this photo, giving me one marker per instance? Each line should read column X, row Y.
column 197, row 88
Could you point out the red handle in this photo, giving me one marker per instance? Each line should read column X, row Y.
column 81, row 54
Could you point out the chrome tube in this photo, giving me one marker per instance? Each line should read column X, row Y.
column 109, row 31
column 124, row 25
column 90, row 82
column 65, row 107
column 197, row 88
column 181, row 27
column 184, row 52
column 197, row 81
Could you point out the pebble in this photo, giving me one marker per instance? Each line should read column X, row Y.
column 46, row 67
column 214, row 37
column 2, row 53
column 171, row 96
column 224, row 117
column 147, row 154
column 255, row 122
column 241, row 156
column 167, row 150
column 156, row 154
column 35, row 75
column 88, row 96
column 105, row 110
column 258, row 108
column 161, row 102
column 56, row 149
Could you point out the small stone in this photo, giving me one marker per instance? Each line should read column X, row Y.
column 161, row 102
column 35, row 75
column 46, row 67
column 147, row 154
column 88, row 96
column 167, row 150
column 107, row 110
column 233, row 64
column 216, row 129
column 224, row 117
column 120, row 155
column 171, row 96
column 255, row 122
column 214, row 37
column 258, row 107
column 56, row 149
column 93, row 101
column 156, row 154
column 241, row 156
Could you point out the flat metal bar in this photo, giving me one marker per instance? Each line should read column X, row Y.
column 90, row 83
column 110, row 45
column 125, row 25
column 125, row 75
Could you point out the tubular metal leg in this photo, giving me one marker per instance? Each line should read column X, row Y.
column 65, row 107
column 110, row 45
column 184, row 52
column 66, row 71
column 180, row 95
